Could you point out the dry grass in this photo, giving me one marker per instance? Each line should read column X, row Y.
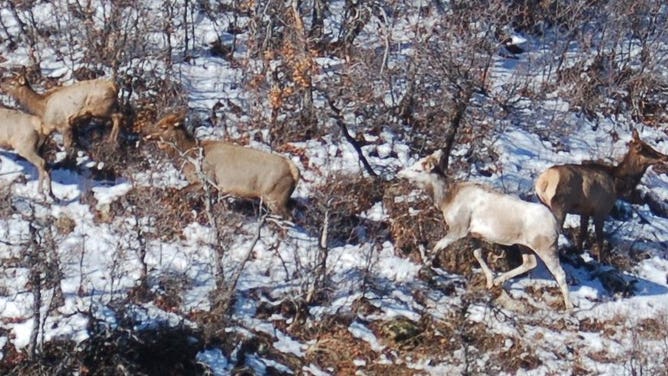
column 413, row 224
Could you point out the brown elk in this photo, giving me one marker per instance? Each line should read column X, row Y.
column 25, row 133
column 233, row 169
column 62, row 107
column 478, row 211
column 591, row 189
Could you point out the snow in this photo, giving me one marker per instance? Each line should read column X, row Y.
column 358, row 330
column 288, row 345
column 215, row 360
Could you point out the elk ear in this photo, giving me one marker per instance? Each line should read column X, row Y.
column 428, row 165
column 439, row 158
column 634, row 135
column 21, row 76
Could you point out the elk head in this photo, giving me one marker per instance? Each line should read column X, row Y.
column 168, row 129
column 18, row 81
column 643, row 154
column 424, row 171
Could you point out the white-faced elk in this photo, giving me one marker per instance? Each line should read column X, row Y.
column 474, row 210
column 591, row 189
column 62, row 107
column 233, row 169
column 25, row 133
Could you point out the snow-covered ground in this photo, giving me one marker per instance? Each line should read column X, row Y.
column 99, row 261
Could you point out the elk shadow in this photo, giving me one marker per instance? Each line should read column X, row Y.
column 26, row 168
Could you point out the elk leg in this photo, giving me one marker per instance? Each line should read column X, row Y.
column 528, row 263
column 279, row 209
column 551, row 261
column 116, row 119
column 32, row 157
column 191, row 190
column 278, row 198
column 560, row 215
column 456, row 231
column 598, row 230
column 489, row 276
column 450, row 238
column 67, row 143
column 584, row 224
column 446, row 241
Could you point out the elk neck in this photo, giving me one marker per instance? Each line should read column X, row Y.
column 628, row 172
column 181, row 145
column 438, row 189
column 185, row 151
column 32, row 101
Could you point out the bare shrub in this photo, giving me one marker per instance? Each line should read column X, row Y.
column 413, row 224
column 6, row 200
column 161, row 349
column 345, row 197
column 56, row 358
column 168, row 210
column 335, row 347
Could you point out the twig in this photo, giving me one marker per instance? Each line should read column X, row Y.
column 321, row 267
column 351, row 140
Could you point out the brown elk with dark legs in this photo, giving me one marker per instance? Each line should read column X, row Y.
column 477, row 211
column 591, row 189
column 62, row 107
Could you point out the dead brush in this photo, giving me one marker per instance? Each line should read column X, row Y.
column 519, row 356
column 170, row 209
column 401, row 332
column 6, row 208
column 413, row 224
column 654, row 328
column 337, row 349
column 158, row 350
column 434, row 339
column 57, row 357
column 345, row 197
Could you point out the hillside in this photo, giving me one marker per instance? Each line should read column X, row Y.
column 125, row 273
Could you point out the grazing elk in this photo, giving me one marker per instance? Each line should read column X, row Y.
column 25, row 133
column 591, row 189
column 475, row 210
column 62, row 107
column 233, row 169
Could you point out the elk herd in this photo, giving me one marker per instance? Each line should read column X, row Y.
column 589, row 189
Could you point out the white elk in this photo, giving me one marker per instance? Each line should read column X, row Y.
column 62, row 107
column 24, row 134
column 478, row 211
